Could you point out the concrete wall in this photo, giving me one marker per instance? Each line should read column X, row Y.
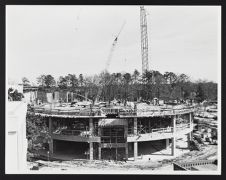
column 30, row 97
column 52, row 96
column 16, row 142
column 49, row 97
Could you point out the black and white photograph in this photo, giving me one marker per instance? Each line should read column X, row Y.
column 113, row 89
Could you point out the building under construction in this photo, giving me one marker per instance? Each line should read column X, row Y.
column 114, row 132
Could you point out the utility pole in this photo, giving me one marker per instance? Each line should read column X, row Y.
column 144, row 39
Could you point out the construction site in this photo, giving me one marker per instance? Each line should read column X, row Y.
column 127, row 132
column 117, row 132
column 143, row 136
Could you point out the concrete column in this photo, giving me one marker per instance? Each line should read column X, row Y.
column 50, row 133
column 116, row 154
column 191, row 135
column 99, row 151
column 167, row 143
column 135, row 143
column 67, row 97
column 173, row 147
column 135, row 151
column 72, row 97
column 99, row 129
column 126, row 151
column 126, row 129
column 91, row 126
column 125, row 135
column 36, row 94
column 91, row 150
column 174, row 124
column 135, row 126
column 51, row 148
column 99, row 147
column 190, row 118
column 188, row 139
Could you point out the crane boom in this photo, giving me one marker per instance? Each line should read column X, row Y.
column 113, row 48
column 121, row 29
column 110, row 57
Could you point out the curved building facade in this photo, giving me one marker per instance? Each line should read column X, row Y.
column 115, row 133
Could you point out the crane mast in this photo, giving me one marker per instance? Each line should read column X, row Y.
column 144, row 39
column 144, row 46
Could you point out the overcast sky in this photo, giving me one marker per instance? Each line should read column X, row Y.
column 58, row 40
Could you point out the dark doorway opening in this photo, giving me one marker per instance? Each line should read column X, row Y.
column 68, row 150
column 147, row 147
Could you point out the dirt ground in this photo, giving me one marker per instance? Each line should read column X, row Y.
column 157, row 162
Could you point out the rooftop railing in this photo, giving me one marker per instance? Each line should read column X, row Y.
column 71, row 112
column 151, row 131
column 158, row 130
column 73, row 132
column 162, row 130
column 155, row 112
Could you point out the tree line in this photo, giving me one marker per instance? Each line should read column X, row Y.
column 131, row 86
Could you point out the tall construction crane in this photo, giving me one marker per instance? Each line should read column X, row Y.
column 113, row 46
column 144, row 39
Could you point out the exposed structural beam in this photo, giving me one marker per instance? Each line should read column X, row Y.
column 144, row 39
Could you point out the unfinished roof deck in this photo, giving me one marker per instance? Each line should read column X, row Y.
column 119, row 111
